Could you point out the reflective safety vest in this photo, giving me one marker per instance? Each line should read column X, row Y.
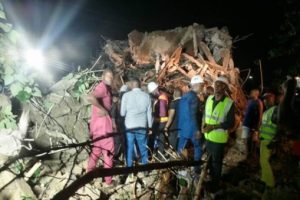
column 217, row 116
column 268, row 128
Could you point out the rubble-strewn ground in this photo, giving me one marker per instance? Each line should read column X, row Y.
column 61, row 117
column 240, row 180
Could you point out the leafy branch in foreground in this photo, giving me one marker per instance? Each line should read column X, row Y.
column 15, row 77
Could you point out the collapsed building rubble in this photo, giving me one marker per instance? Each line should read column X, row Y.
column 169, row 57
column 173, row 56
column 62, row 116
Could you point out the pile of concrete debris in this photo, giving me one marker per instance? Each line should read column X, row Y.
column 61, row 117
column 172, row 57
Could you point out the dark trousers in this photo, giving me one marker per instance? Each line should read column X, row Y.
column 119, row 145
column 173, row 139
column 157, row 140
column 253, row 149
column 120, row 140
column 216, row 152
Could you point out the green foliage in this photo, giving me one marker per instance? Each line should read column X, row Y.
column 81, row 86
column 35, row 177
column 20, row 84
column 13, row 73
column 7, row 119
column 83, row 83
column 26, row 197
column 19, row 167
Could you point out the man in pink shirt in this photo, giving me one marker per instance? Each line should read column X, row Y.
column 101, row 124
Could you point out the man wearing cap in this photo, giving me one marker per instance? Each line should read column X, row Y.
column 268, row 130
column 160, row 108
column 188, row 119
column 217, row 119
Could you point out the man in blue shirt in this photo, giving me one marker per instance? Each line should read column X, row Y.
column 188, row 119
column 252, row 121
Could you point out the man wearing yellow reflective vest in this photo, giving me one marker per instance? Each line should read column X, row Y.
column 268, row 130
column 218, row 118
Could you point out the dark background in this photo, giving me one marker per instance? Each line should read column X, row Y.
column 76, row 26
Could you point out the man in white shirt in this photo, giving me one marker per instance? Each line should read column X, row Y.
column 137, row 110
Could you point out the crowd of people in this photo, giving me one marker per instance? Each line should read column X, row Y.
column 138, row 120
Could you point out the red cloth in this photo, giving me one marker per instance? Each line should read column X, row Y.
column 296, row 148
column 161, row 106
column 106, row 148
column 100, row 126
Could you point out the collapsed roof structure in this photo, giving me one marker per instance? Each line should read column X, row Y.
column 172, row 57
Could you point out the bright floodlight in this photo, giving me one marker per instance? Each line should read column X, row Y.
column 250, row 77
column 34, row 58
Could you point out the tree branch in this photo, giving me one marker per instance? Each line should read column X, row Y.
column 100, row 172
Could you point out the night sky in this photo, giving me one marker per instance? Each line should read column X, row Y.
column 79, row 39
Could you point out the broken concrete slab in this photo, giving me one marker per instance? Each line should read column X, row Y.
column 14, row 187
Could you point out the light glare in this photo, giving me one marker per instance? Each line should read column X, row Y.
column 34, row 58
